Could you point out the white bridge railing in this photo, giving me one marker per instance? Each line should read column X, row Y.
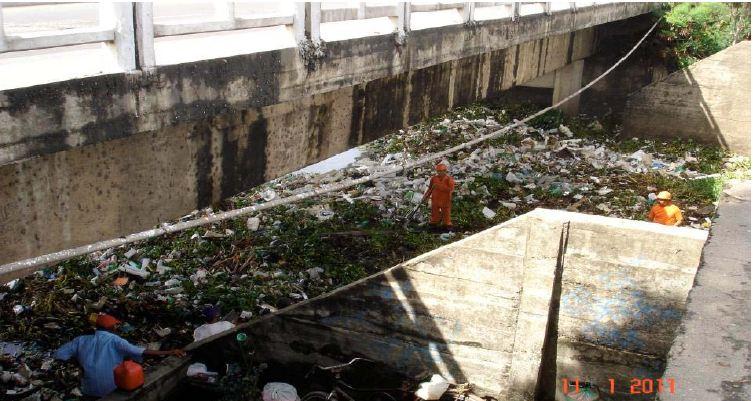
column 130, row 28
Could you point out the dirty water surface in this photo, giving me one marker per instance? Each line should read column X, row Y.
column 257, row 264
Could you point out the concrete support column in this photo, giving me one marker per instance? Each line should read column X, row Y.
column 144, row 19
column 306, row 22
column 361, row 10
column 403, row 17
column 119, row 16
column 567, row 80
column 468, row 11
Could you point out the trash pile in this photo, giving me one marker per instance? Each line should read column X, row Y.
column 257, row 264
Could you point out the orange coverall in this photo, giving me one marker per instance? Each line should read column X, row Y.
column 441, row 187
column 667, row 215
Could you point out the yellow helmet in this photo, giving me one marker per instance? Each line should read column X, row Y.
column 664, row 195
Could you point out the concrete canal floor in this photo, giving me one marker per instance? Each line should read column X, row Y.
column 710, row 359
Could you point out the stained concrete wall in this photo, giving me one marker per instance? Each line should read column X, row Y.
column 708, row 102
column 513, row 310
column 100, row 157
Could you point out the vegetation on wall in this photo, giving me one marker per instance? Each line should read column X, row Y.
column 693, row 31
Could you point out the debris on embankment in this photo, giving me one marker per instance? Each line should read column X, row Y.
column 257, row 264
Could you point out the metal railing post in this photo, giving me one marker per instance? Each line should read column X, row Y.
column 2, row 31
column 119, row 17
column 144, row 13
column 515, row 11
column 468, row 11
column 573, row 7
column 548, row 7
column 403, row 17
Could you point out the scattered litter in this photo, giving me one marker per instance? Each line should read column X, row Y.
column 268, row 195
column 199, row 371
column 253, row 223
column 433, row 389
column 133, row 269
column 488, row 213
column 276, row 391
column 314, row 272
column 163, row 332
column 169, row 279
column 12, row 284
column 120, row 281
column 10, row 348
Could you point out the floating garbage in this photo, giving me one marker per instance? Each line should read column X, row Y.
column 166, row 281
column 253, row 223
column 488, row 213
column 433, row 389
column 275, row 391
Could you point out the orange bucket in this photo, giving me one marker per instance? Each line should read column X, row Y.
column 129, row 376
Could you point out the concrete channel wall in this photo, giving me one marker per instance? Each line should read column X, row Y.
column 708, row 102
column 512, row 310
column 100, row 157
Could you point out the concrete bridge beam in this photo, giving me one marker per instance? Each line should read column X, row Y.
column 567, row 80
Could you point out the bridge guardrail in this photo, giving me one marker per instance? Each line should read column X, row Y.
column 130, row 28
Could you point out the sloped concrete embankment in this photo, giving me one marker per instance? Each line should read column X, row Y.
column 515, row 309
column 708, row 101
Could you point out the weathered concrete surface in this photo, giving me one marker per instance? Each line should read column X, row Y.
column 645, row 66
column 512, row 310
column 622, row 297
column 710, row 359
column 567, row 80
column 106, row 156
column 708, row 101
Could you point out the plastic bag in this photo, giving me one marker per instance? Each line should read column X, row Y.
column 432, row 389
column 129, row 376
column 279, row 392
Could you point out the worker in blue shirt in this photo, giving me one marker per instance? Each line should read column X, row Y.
column 99, row 353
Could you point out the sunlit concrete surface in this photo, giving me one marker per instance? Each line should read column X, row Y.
column 36, row 67
column 342, row 30
column 201, row 46
column 710, row 360
column 433, row 19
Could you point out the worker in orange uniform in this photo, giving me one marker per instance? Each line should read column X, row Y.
column 440, row 190
column 664, row 212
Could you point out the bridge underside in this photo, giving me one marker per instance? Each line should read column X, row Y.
column 101, row 157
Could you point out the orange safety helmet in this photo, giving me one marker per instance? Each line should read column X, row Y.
column 441, row 167
column 107, row 322
column 664, row 195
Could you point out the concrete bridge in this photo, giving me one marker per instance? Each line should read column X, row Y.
column 98, row 157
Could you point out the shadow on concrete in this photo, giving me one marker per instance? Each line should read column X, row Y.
column 708, row 102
